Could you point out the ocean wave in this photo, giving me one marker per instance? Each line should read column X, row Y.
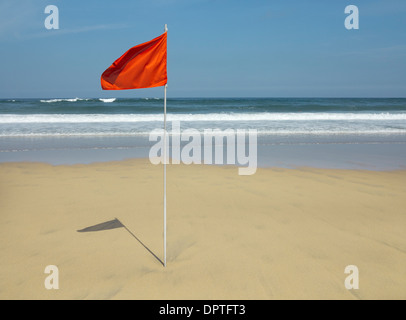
column 63, row 100
column 209, row 117
column 299, row 132
column 108, row 100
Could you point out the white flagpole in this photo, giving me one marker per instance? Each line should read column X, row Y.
column 166, row 30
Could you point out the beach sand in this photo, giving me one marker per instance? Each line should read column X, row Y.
column 279, row 234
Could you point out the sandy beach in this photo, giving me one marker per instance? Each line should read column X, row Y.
column 279, row 234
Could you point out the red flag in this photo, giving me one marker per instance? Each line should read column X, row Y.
column 143, row 66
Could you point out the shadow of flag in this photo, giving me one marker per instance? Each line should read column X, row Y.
column 108, row 225
column 114, row 224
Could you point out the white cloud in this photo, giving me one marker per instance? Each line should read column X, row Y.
column 24, row 19
column 64, row 31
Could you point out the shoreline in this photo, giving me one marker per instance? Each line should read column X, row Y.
column 279, row 234
column 226, row 166
column 377, row 153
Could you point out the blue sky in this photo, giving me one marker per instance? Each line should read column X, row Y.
column 222, row 48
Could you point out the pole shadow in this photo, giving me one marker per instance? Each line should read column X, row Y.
column 114, row 224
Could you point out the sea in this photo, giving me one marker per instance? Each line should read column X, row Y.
column 350, row 133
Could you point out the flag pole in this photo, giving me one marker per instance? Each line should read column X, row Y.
column 165, row 151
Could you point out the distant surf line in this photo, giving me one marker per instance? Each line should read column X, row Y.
column 203, row 117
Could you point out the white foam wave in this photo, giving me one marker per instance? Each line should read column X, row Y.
column 260, row 133
column 63, row 100
column 210, row 117
column 108, row 100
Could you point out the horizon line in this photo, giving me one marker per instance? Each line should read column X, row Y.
column 211, row 97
